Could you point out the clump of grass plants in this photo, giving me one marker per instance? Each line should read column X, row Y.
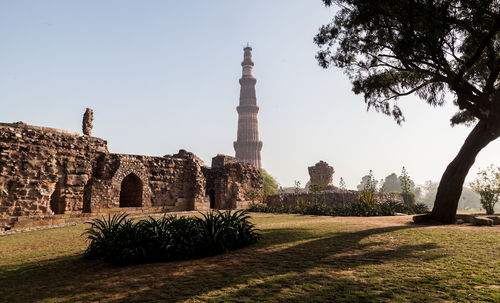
column 121, row 240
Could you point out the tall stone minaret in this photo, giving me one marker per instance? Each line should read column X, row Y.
column 247, row 145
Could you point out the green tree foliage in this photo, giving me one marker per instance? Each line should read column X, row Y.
column 430, row 48
column 487, row 185
column 469, row 199
column 271, row 186
column 315, row 191
column 342, row 186
column 297, row 189
column 367, row 194
column 343, row 189
column 392, row 183
column 406, row 187
column 367, row 180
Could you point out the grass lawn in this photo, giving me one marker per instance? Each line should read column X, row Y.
column 299, row 259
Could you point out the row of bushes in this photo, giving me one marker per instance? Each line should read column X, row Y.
column 121, row 240
column 359, row 209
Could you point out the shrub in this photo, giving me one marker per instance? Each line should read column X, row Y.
column 357, row 209
column 102, row 234
column 119, row 240
column 271, row 186
column 487, row 185
column 420, row 208
column 367, row 193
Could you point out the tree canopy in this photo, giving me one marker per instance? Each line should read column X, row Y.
column 392, row 183
column 271, row 186
column 430, row 48
column 392, row 49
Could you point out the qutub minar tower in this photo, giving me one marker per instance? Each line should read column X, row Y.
column 247, row 145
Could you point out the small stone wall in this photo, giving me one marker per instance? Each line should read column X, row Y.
column 327, row 197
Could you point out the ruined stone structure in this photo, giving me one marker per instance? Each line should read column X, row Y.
column 45, row 171
column 230, row 183
column 88, row 117
column 321, row 174
column 247, row 145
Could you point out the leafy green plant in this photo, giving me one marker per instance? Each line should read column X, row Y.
column 487, row 185
column 301, row 204
column 215, row 229
column 102, row 234
column 271, row 186
column 297, row 189
column 367, row 194
column 359, row 209
column 420, row 208
column 343, row 189
column 315, row 190
column 406, row 188
column 120, row 240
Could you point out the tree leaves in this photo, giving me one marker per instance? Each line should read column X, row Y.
column 391, row 49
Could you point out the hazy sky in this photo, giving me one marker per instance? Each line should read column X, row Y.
column 163, row 75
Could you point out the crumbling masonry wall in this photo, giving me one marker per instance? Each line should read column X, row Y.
column 232, row 184
column 175, row 182
column 40, row 165
column 45, row 171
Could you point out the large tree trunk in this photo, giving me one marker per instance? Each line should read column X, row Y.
column 450, row 187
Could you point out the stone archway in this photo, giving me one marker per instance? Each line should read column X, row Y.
column 57, row 201
column 131, row 191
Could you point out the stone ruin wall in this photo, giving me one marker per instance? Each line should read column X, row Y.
column 232, row 184
column 321, row 174
column 38, row 162
column 333, row 198
column 173, row 182
column 45, row 171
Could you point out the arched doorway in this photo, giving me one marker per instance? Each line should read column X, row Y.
column 57, row 202
column 211, row 195
column 131, row 191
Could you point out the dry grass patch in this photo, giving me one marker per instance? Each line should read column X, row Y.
column 300, row 258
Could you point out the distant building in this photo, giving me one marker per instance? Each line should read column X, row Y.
column 247, row 145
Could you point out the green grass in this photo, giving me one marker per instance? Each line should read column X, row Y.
column 299, row 259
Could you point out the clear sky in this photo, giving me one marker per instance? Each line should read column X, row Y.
column 163, row 75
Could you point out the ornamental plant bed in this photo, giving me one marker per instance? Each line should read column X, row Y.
column 121, row 240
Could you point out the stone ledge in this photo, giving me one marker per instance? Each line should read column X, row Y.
column 8, row 231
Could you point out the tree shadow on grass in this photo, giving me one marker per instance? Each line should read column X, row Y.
column 258, row 272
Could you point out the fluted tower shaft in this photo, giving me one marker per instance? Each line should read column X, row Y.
column 247, row 145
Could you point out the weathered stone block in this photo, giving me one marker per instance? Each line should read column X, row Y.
column 465, row 218
column 481, row 221
column 495, row 219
